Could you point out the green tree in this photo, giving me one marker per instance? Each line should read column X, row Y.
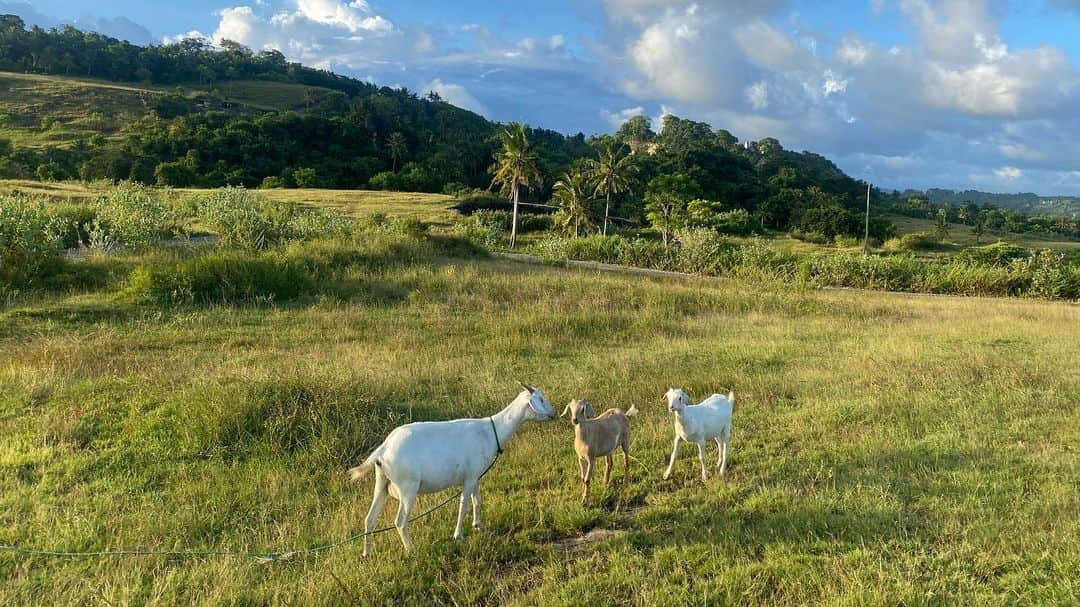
column 635, row 131
column 571, row 193
column 516, row 165
column 306, row 177
column 666, row 200
column 609, row 174
column 980, row 226
column 941, row 224
column 397, row 148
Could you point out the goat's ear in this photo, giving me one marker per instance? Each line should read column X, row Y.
column 527, row 387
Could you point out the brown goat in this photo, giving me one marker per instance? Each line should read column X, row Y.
column 599, row 437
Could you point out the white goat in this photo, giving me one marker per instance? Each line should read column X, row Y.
column 425, row 457
column 599, row 437
column 710, row 419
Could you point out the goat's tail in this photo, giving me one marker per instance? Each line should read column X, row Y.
column 358, row 473
column 632, row 411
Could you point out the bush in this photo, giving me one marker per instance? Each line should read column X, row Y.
column 128, row 215
column 30, row 241
column 915, row 241
column 222, row 277
column 271, row 182
column 305, row 178
column 385, row 180
column 737, row 222
column 998, row 254
column 487, row 229
column 75, row 222
column 247, row 220
column 700, row 251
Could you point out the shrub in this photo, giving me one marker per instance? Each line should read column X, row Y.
column 247, row 220
column 75, row 222
column 998, row 254
column 129, row 215
column 914, row 241
column 271, row 182
column 305, row 178
column 30, row 240
column 700, row 251
column 737, row 222
column 222, row 277
column 385, row 180
column 486, row 229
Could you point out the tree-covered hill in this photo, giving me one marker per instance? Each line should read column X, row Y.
column 189, row 114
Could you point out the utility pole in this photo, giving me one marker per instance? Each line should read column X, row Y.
column 866, row 231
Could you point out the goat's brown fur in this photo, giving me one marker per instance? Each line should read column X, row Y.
column 599, row 437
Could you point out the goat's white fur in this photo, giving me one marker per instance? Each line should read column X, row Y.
column 425, row 457
column 708, row 420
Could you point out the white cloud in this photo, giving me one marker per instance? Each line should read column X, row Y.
column 833, row 84
column 456, row 95
column 758, row 95
column 1008, row 173
column 616, row 119
column 853, row 51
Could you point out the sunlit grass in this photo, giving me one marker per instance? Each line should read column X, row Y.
column 886, row 449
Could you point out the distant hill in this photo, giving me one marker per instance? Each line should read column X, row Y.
column 80, row 105
column 1029, row 203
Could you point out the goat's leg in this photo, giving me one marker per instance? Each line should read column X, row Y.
column 466, row 494
column 407, row 495
column 701, row 458
column 476, row 502
column 723, row 451
column 719, row 452
column 607, row 469
column 377, row 503
column 674, row 452
column 625, row 463
column 586, row 480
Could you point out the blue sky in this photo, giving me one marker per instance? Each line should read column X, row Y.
column 906, row 93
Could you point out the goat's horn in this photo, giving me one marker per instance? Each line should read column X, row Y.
column 525, row 386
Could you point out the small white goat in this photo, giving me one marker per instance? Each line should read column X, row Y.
column 425, row 457
column 599, row 437
column 710, row 419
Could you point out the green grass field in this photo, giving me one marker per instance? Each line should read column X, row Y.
column 963, row 235
column 886, row 449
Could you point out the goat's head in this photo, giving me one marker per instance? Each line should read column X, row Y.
column 579, row 410
column 539, row 407
column 677, row 400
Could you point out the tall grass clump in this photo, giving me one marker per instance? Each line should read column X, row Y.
column 249, row 220
column 30, row 240
column 130, row 216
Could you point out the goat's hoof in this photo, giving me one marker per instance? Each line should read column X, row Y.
column 479, row 526
column 667, row 476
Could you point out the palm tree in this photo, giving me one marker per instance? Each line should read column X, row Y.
column 397, row 148
column 516, row 165
column 571, row 193
column 609, row 174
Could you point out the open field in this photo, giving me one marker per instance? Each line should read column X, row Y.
column 433, row 209
column 886, row 449
column 963, row 235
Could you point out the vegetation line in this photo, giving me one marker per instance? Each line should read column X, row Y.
column 613, row 267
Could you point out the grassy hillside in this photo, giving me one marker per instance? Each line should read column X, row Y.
column 77, row 108
column 886, row 449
